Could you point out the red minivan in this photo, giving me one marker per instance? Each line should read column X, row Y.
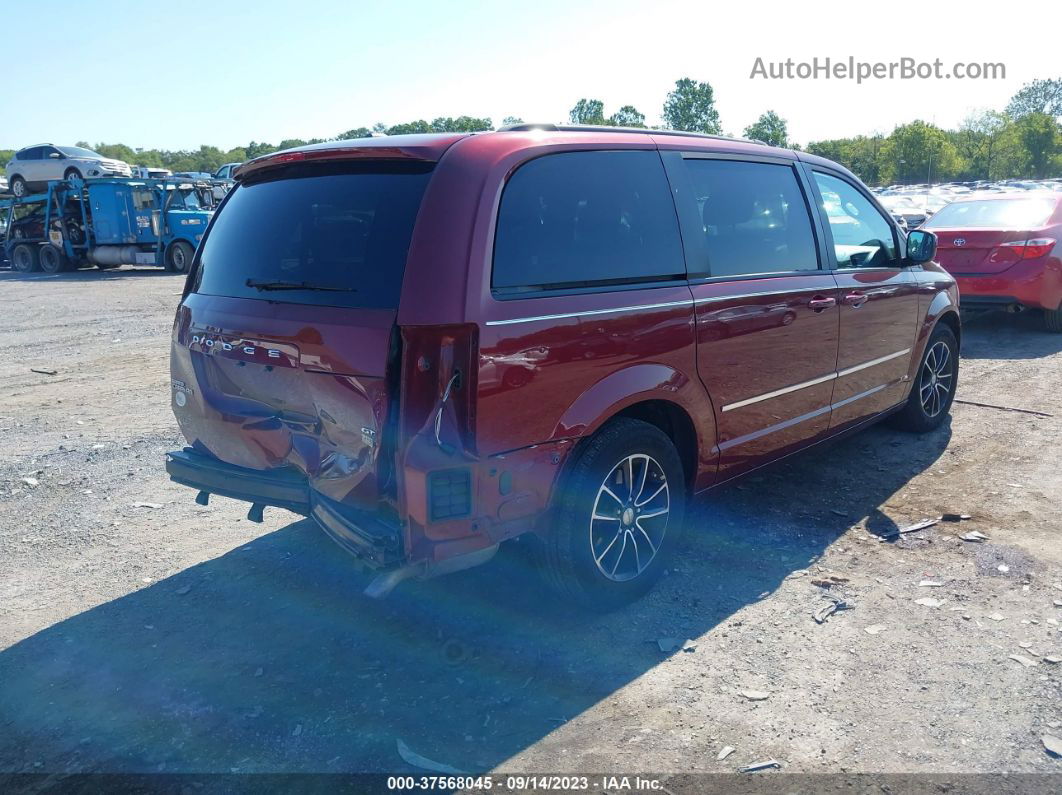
column 435, row 343
column 1003, row 250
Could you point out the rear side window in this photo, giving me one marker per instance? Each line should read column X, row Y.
column 581, row 219
column 753, row 217
column 312, row 234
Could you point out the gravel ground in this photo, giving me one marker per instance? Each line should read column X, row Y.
column 141, row 632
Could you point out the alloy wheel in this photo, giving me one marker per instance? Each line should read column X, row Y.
column 630, row 517
column 936, row 379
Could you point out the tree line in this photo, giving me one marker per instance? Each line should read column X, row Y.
column 1022, row 140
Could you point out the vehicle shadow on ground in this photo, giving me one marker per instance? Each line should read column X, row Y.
column 268, row 658
column 1003, row 335
column 90, row 274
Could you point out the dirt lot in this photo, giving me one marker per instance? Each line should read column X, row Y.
column 186, row 638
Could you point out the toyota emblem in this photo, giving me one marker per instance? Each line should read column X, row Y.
column 959, row 241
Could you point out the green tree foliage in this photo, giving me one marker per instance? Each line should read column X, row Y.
column 861, row 155
column 769, row 128
column 1039, row 96
column 1041, row 140
column 462, row 124
column 918, row 152
column 588, row 111
column 592, row 111
column 627, row 116
column 357, row 132
column 691, row 107
column 508, row 120
column 987, row 145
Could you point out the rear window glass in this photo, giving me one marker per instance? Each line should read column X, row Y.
column 312, row 234
column 995, row 213
column 587, row 218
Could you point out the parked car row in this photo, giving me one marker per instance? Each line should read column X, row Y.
column 913, row 205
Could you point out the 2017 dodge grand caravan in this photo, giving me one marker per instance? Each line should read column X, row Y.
column 434, row 343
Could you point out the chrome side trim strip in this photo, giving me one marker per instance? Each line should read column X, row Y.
column 585, row 313
column 781, row 426
column 872, row 362
column 716, row 298
column 779, row 392
column 813, row 382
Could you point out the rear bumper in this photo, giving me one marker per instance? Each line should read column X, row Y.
column 281, row 488
column 375, row 542
column 1031, row 284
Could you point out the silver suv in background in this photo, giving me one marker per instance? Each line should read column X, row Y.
column 34, row 166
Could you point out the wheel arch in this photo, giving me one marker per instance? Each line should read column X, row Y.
column 950, row 318
column 676, row 423
column 659, row 395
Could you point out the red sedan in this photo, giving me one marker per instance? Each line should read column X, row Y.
column 1003, row 251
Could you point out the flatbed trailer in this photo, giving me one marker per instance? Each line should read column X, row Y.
column 106, row 222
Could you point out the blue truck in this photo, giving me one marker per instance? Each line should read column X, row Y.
column 106, row 222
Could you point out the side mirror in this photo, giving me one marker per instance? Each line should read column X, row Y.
column 56, row 155
column 921, row 246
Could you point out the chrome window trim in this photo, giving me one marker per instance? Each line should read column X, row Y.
column 716, row 298
column 588, row 312
column 815, row 381
column 685, row 302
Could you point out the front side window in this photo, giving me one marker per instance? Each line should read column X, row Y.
column 753, row 217
column 581, row 219
column 862, row 237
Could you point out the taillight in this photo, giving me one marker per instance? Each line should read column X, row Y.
column 1029, row 249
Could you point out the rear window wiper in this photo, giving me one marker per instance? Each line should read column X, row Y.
column 297, row 286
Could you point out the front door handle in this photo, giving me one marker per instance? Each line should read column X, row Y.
column 820, row 303
column 856, row 299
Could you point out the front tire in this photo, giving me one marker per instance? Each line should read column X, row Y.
column 618, row 516
column 24, row 258
column 179, row 256
column 72, row 173
column 934, row 384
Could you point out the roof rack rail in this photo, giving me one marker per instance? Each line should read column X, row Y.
column 524, row 127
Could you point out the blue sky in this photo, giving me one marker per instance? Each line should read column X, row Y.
column 180, row 74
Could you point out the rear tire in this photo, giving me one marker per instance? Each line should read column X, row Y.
column 1053, row 320
column 18, row 187
column 24, row 258
column 934, row 384
column 179, row 256
column 618, row 516
column 52, row 259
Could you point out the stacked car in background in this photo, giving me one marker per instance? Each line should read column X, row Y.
column 62, row 207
